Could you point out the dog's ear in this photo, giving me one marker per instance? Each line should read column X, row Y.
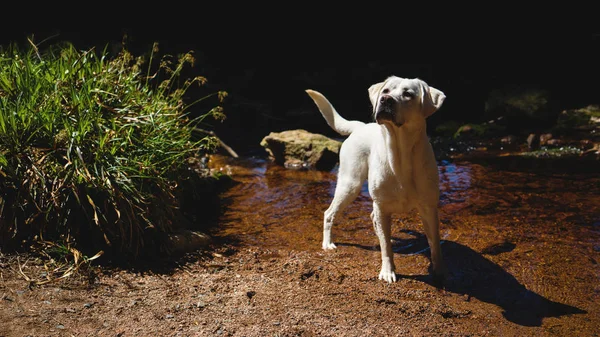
column 431, row 99
column 374, row 93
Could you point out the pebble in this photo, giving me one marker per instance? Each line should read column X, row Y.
column 70, row 310
column 170, row 316
column 46, row 302
column 510, row 139
column 87, row 305
column 60, row 326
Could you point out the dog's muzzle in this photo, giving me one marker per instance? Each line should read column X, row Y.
column 386, row 110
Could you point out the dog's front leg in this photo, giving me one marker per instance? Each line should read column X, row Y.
column 327, row 224
column 431, row 225
column 383, row 227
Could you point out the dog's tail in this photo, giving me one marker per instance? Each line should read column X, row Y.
column 341, row 125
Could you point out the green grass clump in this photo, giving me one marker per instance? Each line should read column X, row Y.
column 92, row 146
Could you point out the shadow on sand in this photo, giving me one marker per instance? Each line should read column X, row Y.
column 471, row 274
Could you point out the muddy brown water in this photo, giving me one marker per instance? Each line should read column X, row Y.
column 526, row 241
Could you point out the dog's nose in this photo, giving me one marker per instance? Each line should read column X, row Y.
column 386, row 99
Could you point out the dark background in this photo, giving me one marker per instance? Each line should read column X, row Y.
column 265, row 65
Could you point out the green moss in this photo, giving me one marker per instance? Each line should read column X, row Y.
column 479, row 130
column 518, row 102
column 447, row 129
column 578, row 117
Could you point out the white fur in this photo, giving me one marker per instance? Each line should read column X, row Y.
column 395, row 156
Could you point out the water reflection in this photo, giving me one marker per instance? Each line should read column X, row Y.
column 499, row 199
column 455, row 179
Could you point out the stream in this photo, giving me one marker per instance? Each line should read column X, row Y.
column 492, row 201
column 524, row 236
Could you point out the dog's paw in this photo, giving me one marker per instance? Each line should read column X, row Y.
column 328, row 246
column 388, row 276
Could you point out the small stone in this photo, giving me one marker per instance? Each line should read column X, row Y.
column 169, row 316
column 544, row 138
column 20, row 292
column 251, row 294
column 510, row 139
column 277, row 323
column 46, row 302
column 87, row 305
column 60, row 326
column 185, row 241
column 586, row 144
column 554, row 142
column 533, row 141
column 465, row 129
column 200, row 304
column 70, row 310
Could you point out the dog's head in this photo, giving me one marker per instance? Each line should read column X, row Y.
column 401, row 100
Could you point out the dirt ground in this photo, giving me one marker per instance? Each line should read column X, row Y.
column 522, row 251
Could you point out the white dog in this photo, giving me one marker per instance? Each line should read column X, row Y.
column 396, row 157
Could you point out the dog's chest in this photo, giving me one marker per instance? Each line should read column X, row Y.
column 401, row 194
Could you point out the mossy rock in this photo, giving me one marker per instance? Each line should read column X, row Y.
column 521, row 107
column 584, row 119
column 447, row 129
column 483, row 130
column 302, row 149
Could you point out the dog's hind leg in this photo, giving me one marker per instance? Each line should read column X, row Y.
column 382, row 223
column 345, row 192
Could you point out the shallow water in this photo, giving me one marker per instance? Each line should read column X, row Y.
column 523, row 236
column 277, row 207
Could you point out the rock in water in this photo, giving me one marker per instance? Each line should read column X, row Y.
column 302, row 149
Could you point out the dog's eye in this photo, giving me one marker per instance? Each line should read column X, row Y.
column 385, row 91
column 407, row 94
